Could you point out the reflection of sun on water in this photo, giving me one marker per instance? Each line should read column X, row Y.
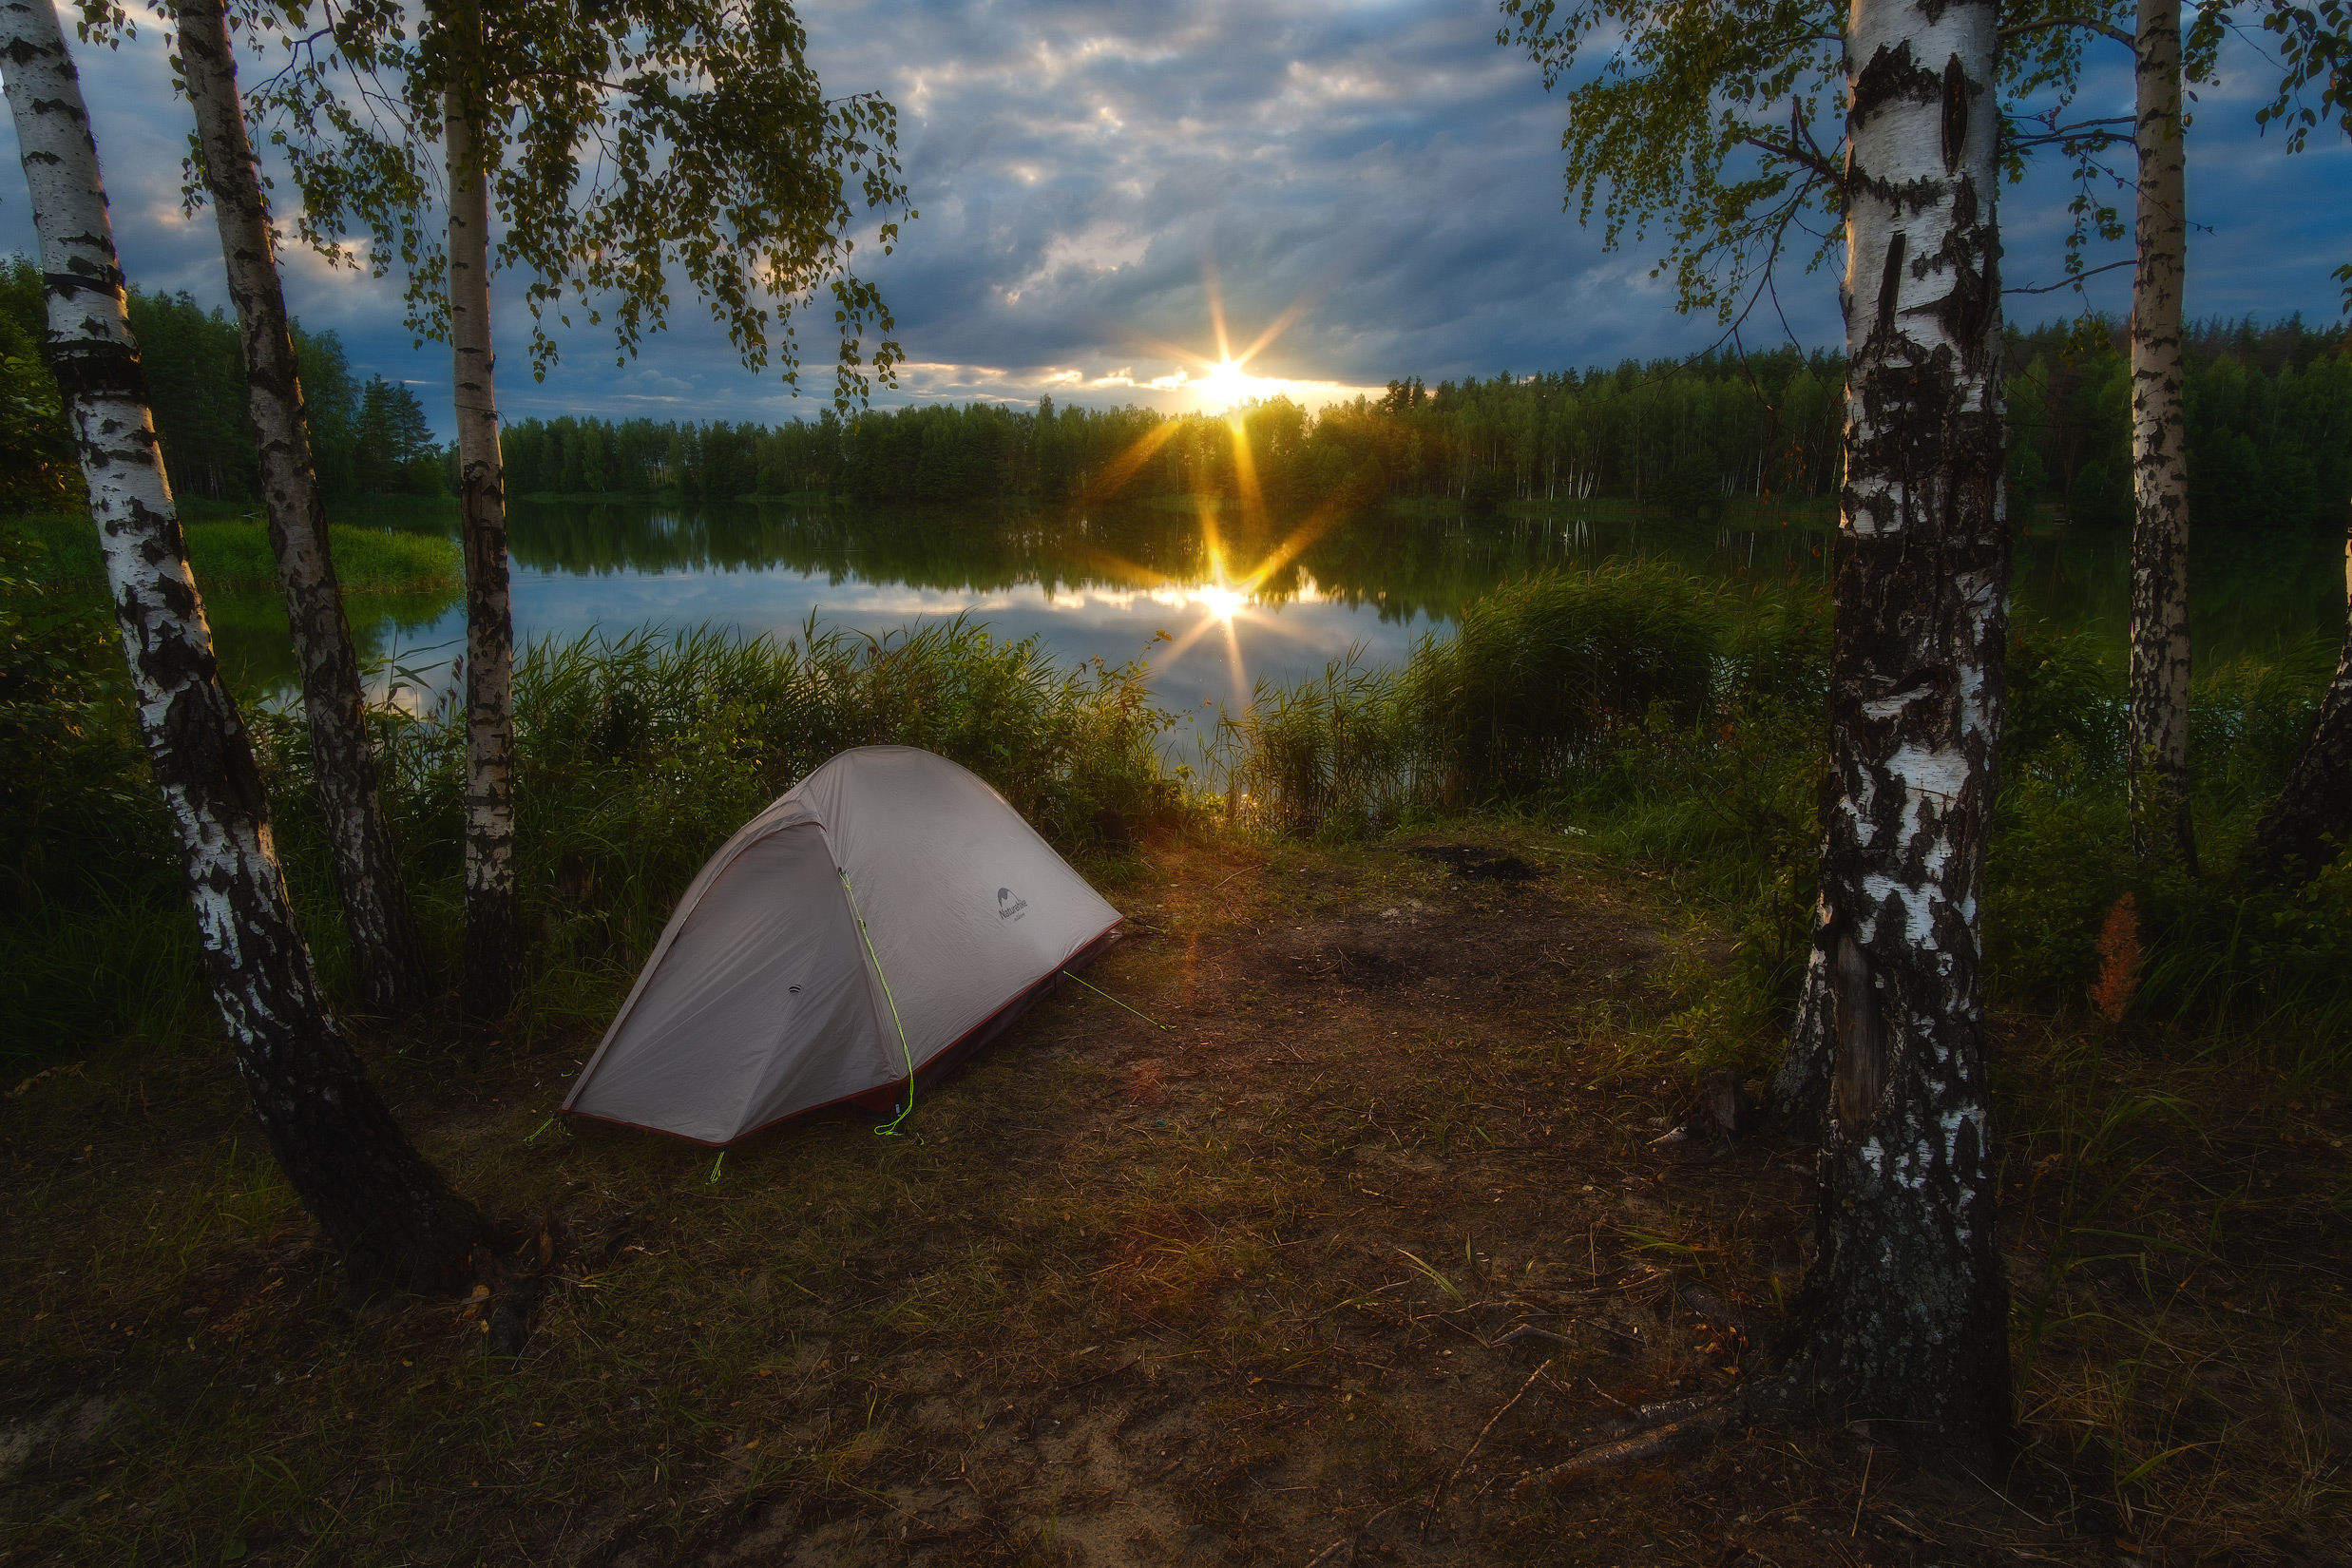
column 1219, row 600
column 1224, row 601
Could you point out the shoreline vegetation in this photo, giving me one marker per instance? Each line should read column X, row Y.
column 1670, row 719
column 230, row 552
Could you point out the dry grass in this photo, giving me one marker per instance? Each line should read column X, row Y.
column 1231, row 1291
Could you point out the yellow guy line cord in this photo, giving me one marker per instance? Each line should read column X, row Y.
column 1108, row 997
column 889, row 1129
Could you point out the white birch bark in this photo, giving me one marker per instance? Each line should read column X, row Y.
column 2158, row 759
column 394, row 976
column 492, row 918
column 387, row 1211
column 1906, row 1312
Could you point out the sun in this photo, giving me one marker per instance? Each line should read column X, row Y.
column 1228, row 383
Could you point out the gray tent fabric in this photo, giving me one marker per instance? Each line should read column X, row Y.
column 762, row 999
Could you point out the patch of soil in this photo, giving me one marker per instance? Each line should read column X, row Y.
column 1327, row 1260
column 1480, row 864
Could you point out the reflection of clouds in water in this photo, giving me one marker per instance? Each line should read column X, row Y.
column 1105, row 587
column 1279, row 642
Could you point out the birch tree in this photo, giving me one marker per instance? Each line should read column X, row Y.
column 389, row 1214
column 1908, row 1309
column 394, row 975
column 1904, row 1313
column 616, row 146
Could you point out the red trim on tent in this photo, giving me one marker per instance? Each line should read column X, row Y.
column 882, row 1100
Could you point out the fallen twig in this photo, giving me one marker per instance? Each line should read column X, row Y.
column 1436, row 1499
column 1675, row 1438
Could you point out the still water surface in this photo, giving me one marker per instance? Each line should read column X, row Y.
column 1239, row 600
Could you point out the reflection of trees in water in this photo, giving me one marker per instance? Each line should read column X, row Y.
column 1402, row 565
column 2250, row 592
column 255, row 649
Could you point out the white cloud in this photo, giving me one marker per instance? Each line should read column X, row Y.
column 1085, row 171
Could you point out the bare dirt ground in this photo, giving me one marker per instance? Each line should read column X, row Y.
column 1327, row 1260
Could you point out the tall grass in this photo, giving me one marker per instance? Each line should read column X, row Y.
column 1671, row 722
column 1546, row 677
column 638, row 754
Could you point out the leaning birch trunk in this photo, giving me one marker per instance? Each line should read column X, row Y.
column 1905, row 1312
column 2157, row 765
column 391, row 956
column 492, row 919
column 389, row 1212
column 2291, row 842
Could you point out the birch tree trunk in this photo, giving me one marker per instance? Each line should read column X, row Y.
column 1905, row 1312
column 2158, row 761
column 493, row 924
column 389, row 1212
column 2290, row 843
column 394, row 973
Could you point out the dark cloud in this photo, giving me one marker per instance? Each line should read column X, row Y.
column 1092, row 176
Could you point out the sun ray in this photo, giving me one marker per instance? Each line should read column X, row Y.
column 1241, row 675
column 1245, row 473
column 1312, row 528
column 1122, row 467
column 1217, row 306
column 1298, row 307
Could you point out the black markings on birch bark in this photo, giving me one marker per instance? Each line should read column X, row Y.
column 2157, row 758
column 387, row 1213
column 1905, row 1306
column 391, row 954
column 1954, row 114
column 1890, row 283
column 493, row 924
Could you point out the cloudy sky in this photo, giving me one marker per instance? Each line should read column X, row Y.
column 1379, row 180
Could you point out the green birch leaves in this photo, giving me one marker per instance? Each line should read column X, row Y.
column 627, row 146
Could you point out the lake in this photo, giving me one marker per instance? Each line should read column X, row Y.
column 1238, row 599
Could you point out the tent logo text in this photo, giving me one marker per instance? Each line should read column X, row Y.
column 1007, row 906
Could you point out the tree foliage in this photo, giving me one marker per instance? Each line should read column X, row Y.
column 1721, row 123
column 626, row 144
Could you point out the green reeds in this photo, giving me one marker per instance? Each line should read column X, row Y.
column 1551, row 672
column 1323, row 756
column 637, row 754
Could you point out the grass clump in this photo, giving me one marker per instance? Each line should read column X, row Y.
column 1553, row 673
column 1546, row 677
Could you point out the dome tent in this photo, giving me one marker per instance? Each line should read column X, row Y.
column 764, row 999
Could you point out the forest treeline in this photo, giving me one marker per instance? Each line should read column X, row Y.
column 2270, row 438
column 371, row 438
column 2270, row 432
